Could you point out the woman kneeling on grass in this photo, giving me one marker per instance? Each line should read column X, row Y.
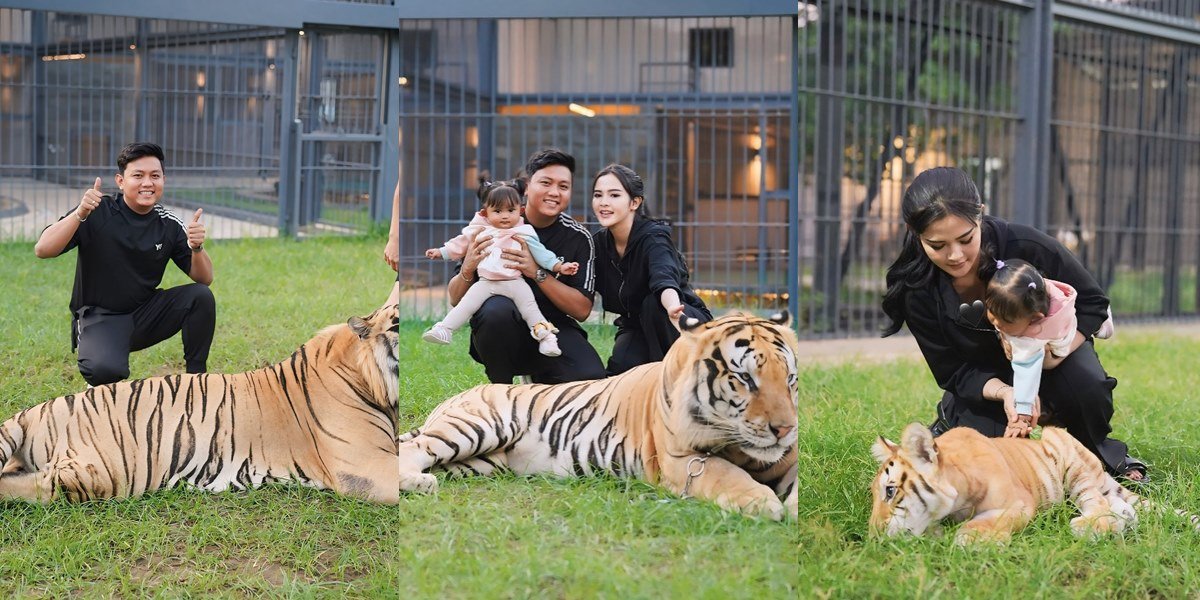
column 639, row 273
column 937, row 285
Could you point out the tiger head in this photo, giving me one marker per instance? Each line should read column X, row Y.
column 737, row 377
column 909, row 491
column 378, row 343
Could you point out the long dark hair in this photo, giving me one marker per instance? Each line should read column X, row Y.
column 632, row 182
column 1016, row 291
column 934, row 194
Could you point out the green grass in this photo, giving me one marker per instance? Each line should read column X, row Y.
column 843, row 409
column 542, row 537
column 272, row 295
column 829, row 552
column 1142, row 291
column 572, row 538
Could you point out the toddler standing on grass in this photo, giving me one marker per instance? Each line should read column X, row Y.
column 1033, row 315
column 500, row 219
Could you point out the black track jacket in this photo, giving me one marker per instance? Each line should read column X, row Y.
column 963, row 355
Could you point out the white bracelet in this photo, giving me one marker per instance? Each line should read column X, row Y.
column 81, row 219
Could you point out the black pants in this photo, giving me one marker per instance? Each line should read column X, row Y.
column 500, row 341
column 647, row 336
column 105, row 339
column 1079, row 395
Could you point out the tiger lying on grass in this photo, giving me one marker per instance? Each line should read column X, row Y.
column 325, row 418
column 716, row 420
column 995, row 484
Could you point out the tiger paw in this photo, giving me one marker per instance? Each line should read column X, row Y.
column 421, row 483
column 791, row 506
column 967, row 536
column 1096, row 526
column 764, row 504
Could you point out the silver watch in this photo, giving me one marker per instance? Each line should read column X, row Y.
column 541, row 275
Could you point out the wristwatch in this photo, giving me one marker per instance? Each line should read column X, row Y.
column 199, row 248
column 541, row 275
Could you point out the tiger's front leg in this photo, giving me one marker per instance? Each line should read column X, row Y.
column 414, row 458
column 77, row 481
column 718, row 480
column 791, row 498
column 996, row 525
column 37, row 486
column 421, row 452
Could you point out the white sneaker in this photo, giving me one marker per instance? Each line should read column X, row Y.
column 548, row 345
column 1107, row 328
column 547, row 342
column 438, row 334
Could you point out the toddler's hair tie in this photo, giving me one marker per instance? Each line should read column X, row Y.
column 999, row 265
column 1033, row 285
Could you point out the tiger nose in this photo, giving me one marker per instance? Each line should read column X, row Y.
column 782, row 430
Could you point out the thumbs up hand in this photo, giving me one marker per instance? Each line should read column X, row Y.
column 195, row 231
column 91, row 199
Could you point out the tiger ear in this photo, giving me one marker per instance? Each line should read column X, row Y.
column 917, row 442
column 687, row 323
column 360, row 327
column 883, row 449
column 781, row 318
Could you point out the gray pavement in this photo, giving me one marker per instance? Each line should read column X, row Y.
column 31, row 204
column 904, row 347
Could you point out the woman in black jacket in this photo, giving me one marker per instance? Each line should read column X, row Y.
column 949, row 254
column 639, row 273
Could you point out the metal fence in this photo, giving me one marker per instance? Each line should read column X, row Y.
column 702, row 108
column 778, row 145
column 1073, row 117
column 268, row 129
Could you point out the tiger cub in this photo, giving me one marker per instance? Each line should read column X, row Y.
column 996, row 485
column 716, row 419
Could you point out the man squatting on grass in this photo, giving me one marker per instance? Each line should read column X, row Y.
column 124, row 243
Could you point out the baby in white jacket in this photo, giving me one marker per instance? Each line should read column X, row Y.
column 501, row 220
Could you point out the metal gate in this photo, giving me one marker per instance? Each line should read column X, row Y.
column 702, row 108
column 336, row 143
column 1077, row 117
column 271, row 130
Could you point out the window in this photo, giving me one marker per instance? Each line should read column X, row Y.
column 710, row 47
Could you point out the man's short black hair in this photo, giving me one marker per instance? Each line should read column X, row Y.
column 136, row 150
column 549, row 156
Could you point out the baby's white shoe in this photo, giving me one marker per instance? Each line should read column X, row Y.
column 1107, row 328
column 438, row 334
column 548, row 346
column 547, row 342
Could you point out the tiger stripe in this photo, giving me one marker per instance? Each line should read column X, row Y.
column 995, row 485
column 325, row 418
column 726, row 388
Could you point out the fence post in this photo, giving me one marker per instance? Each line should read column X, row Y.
column 389, row 149
column 830, row 149
column 1035, row 58
column 289, row 143
column 794, row 222
column 40, row 151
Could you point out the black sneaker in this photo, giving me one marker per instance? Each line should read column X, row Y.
column 939, row 425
